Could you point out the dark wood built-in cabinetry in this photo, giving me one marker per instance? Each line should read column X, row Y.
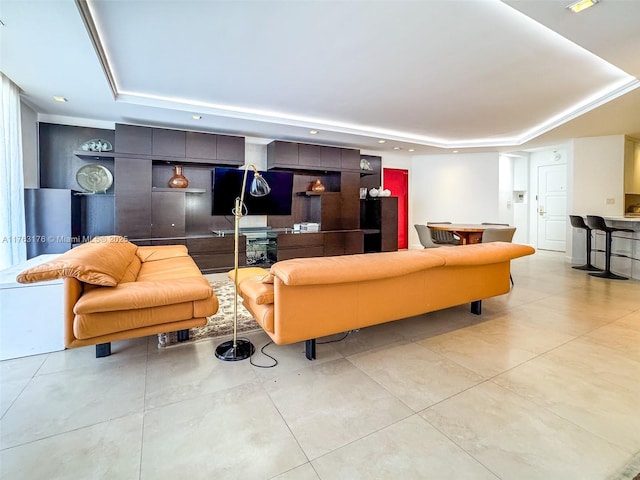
column 304, row 156
column 148, row 212
column 379, row 220
column 296, row 245
column 53, row 220
column 133, row 197
column 140, row 206
column 179, row 145
column 337, row 209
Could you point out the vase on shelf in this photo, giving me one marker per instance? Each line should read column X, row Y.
column 178, row 180
column 317, row 187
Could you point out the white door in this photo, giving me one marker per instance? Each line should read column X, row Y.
column 552, row 207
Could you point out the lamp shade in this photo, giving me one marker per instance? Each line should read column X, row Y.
column 259, row 186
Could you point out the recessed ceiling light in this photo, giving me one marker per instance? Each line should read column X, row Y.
column 412, row 149
column 60, row 99
column 382, row 141
column 313, row 132
column 581, row 5
column 196, row 117
column 455, row 151
column 396, row 148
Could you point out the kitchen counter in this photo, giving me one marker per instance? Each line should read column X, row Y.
column 625, row 218
column 624, row 243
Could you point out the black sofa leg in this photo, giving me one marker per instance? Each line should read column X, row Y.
column 310, row 349
column 183, row 335
column 476, row 307
column 103, row 350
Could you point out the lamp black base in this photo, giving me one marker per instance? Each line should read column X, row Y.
column 588, row 267
column 227, row 352
column 610, row 275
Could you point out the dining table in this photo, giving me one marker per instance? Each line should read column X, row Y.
column 468, row 232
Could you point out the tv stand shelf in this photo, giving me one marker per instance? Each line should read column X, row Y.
column 178, row 190
column 313, row 194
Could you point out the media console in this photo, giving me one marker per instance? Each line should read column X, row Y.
column 265, row 246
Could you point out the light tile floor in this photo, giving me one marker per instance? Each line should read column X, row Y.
column 544, row 385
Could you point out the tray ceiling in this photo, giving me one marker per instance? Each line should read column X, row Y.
column 423, row 75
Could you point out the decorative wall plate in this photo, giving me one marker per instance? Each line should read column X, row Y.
column 97, row 145
column 94, row 178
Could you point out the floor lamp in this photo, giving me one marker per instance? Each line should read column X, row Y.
column 233, row 350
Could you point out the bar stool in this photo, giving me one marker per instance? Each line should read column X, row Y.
column 578, row 222
column 598, row 223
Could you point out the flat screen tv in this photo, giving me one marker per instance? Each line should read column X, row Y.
column 226, row 187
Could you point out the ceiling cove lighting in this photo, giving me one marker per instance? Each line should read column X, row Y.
column 605, row 95
column 60, row 99
column 581, row 5
column 608, row 93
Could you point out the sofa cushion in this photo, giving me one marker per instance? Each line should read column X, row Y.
column 139, row 295
column 91, row 325
column 161, row 252
column 103, row 261
column 248, row 272
column 131, row 274
column 268, row 278
column 168, row 269
column 482, row 253
column 261, row 293
column 353, row 268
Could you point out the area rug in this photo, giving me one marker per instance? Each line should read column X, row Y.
column 221, row 323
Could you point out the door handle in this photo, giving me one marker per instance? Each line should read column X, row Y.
column 541, row 211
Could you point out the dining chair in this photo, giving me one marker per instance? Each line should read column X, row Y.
column 424, row 234
column 499, row 235
column 443, row 237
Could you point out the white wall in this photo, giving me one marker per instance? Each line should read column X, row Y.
column 461, row 188
column 505, row 190
column 29, row 124
column 389, row 160
column 521, row 197
column 595, row 174
column 598, row 175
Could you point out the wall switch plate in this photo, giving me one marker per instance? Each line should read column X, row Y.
column 610, row 201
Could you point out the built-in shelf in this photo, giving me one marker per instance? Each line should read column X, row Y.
column 178, row 190
column 312, row 194
column 97, row 194
column 364, row 173
column 86, row 155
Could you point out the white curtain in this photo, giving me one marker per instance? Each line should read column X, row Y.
column 13, row 248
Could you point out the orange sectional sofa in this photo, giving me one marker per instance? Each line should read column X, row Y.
column 115, row 290
column 307, row 298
